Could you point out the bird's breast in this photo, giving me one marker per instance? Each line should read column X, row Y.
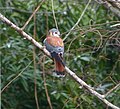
column 55, row 41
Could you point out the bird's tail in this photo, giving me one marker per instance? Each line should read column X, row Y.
column 59, row 68
column 59, row 64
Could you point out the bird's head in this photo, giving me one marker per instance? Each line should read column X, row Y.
column 54, row 32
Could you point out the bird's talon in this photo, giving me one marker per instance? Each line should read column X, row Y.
column 43, row 47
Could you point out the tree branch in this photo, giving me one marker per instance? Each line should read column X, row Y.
column 117, row 86
column 72, row 74
column 78, row 20
column 32, row 15
column 112, row 5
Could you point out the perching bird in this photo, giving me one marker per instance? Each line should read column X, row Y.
column 54, row 44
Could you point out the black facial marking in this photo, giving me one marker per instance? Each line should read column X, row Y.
column 55, row 32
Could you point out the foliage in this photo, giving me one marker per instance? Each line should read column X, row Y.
column 91, row 50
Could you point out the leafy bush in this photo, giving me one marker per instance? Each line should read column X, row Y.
column 91, row 50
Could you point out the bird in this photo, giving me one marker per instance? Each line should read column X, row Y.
column 54, row 44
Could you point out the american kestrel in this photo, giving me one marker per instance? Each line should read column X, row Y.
column 54, row 44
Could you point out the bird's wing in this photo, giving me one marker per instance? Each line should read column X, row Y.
column 54, row 44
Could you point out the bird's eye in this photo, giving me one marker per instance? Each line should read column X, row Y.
column 55, row 32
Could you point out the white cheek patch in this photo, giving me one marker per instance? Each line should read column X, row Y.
column 56, row 35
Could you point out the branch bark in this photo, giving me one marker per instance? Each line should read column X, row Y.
column 72, row 74
column 112, row 5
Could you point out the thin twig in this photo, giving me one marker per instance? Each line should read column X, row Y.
column 46, row 90
column 78, row 20
column 115, row 25
column 28, row 37
column 15, row 77
column 30, row 12
column 101, row 41
column 81, row 82
column 32, row 15
column 72, row 40
column 72, row 74
column 34, row 55
column 46, row 15
column 54, row 14
column 110, row 6
column 111, row 73
column 117, row 86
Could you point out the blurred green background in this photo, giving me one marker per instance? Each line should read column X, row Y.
column 92, row 51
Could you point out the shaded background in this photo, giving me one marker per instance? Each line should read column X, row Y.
column 92, row 51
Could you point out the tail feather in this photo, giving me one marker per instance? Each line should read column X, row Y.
column 59, row 64
column 58, row 58
column 59, row 68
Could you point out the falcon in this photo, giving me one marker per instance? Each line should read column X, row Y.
column 54, row 44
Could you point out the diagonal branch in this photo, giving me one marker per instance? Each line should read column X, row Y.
column 112, row 5
column 117, row 86
column 32, row 15
column 72, row 74
column 45, row 84
column 34, row 61
column 14, row 78
column 78, row 20
column 54, row 15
